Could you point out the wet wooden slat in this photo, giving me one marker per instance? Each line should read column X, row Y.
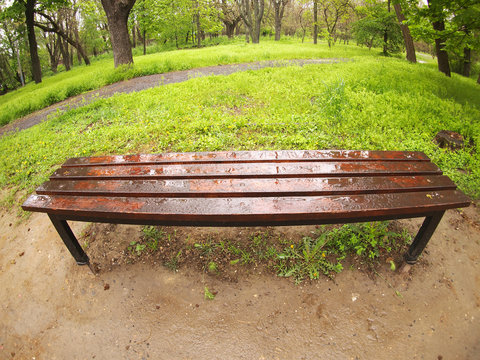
column 228, row 211
column 246, row 187
column 241, row 170
column 248, row 157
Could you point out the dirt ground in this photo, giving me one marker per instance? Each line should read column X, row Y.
column 53, row 309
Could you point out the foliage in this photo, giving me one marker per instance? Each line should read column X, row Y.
column 306, row 259
column 325, row 253
column 461, row 19
column 375, row 23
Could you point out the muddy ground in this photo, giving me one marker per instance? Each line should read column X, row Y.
column 53, row 309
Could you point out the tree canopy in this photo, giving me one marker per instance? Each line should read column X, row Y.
column 43, row 36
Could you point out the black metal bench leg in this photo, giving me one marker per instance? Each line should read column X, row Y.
column 70, row 240
column 424, row 234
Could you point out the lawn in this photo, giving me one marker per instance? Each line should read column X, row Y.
column 370, row 103
column 84, row 78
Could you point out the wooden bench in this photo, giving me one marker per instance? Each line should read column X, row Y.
column 249, row 188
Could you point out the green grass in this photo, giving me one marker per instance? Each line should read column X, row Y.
column 368, row 103
column 84, row 78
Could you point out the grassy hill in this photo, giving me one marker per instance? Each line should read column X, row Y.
column 81, row 79
column 369, row 103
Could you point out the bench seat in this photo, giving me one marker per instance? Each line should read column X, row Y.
column 249, row 188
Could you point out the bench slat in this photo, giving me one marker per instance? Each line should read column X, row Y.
column 218, row 211
column 241, row 170
column 246, row 187
column 248, row 157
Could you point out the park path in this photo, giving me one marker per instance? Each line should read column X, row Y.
column 147, row 82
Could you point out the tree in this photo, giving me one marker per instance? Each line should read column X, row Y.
column 407, row 37
column 378, row 27
column 437, row 17
column 117, row 12
column 32, row 40
column 54, row 26
column 279, row 8
column 315, row 21
column 230, row 16
column 332, row 12
column 251, row 12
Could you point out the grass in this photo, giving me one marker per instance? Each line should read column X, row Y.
column 81, row 79
column 325, row 251
column 369, row 104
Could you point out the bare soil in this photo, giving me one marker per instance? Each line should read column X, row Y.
column 53, row 309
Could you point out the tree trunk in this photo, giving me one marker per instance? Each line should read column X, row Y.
column 439, row 25
column 467, row 61
column 19, row 65
column 315, row 21
column 246, row 15
column 197, row 24
column 80, row 52
column 258, row 9
column 229, row 29
column 134, row 40
column 407, row 37
column 65, row 57
column 279, row 8
column 385, row 34
column 144, row 42
column 32, row 41
column 478, row 80
column 117, row 15
column 442, row 55
column 56, row 28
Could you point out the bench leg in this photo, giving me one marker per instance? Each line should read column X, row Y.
column 70, row 240
column 424, row 234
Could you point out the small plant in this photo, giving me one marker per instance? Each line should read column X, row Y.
column 206, row 249
column 306, row 259
column 208, row 294
column 312, row 257
column 173, row 263
column 136, row 247
column 212, row 267
column 152, row 235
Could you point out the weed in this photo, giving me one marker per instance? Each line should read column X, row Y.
column 152, row 235
column 136, row 247
column 212, row 267
column 173, row 263
column 206, row 249
column 306, row 259
column 207, row 294
column 325, row 253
